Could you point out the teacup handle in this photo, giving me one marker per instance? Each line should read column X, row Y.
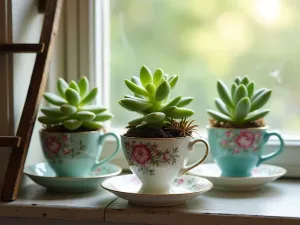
column 266, row 137
column 101, row 141
column 190, row 147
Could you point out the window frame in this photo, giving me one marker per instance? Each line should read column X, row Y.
column 98, row 44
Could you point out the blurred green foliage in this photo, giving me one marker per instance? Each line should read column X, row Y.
column 203, row 41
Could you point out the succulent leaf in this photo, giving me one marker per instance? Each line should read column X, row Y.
column 222, row 107
column 234, row 86
column 145, row 76
column 92, row 125
column 224, row 93
column 261, row 100
column 178, row 113
column 103, row 117
column 72, row 124
column 84, row 86
column 173, row 102
column 93, row 108
column 185, row 101
column 137, row 121
column 135, row 88
column 245, row 80
column 242, row 109
column 240, row 93
column 68, row 109
column 173, row 81
column 134, row 105
column 250, row 89
column 238, row 80
column 85, row 116
column 74, row 86
column 54, row 99
column 51, row 120
column 157, row 76
column 151, row 88
column 72, row 96
column 162, row 91
column 218, row 116
column 256, row 115
column 90, row 97
column 51, row 111
column 155, row 117
column 62, row 86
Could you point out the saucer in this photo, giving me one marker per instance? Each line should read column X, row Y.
column 43, row 174
column 185, row 188
column 260, row 176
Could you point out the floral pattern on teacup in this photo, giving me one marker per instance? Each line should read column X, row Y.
column 147, row 155
column 190, row 183
column 59, row 146
column 239, row 142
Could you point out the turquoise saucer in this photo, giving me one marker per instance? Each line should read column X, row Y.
column 42, row 174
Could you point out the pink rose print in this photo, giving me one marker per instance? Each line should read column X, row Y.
column 98, row 170
column 236, row 151
column 228, row 133
column 257, row 136
column 224, row 142
column 245, row 139
column 64, row 137
column 53, row 145
column 141, row 154
column 167, row 156
column 180, row 181
column 66, row 151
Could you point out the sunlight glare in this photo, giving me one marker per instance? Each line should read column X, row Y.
column 268, row 11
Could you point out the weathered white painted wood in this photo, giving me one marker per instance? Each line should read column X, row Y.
column 277, row 203
column 35, row 202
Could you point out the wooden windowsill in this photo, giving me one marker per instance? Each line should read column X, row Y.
column 277, row 204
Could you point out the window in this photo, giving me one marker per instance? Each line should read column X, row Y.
column 203, row 41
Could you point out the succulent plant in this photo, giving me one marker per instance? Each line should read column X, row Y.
column 72, row 108
column 242, row 104
column 152, row 100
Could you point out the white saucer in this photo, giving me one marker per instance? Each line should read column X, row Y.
column 260, row 176
column 44, row 175
column 184, row 188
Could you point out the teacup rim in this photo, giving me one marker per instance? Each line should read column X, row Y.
column 231, row 128
column 175, row 138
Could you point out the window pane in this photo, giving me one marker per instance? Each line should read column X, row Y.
column 203, row 41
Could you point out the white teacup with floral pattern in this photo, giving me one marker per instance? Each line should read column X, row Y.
column 158, row 161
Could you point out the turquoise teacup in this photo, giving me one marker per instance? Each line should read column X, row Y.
column 238, row 151
column 75, row 154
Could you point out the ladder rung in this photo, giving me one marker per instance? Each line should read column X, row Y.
column 10, row 141
column 22, row 48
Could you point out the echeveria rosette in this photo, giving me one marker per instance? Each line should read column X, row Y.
column 72, row 108
column 151, row 98
column 242, row 103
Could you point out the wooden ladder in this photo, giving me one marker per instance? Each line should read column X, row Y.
column 20, row 142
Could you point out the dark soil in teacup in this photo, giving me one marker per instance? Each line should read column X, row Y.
column 62, row 129
column 252, row 124
column 149, row 132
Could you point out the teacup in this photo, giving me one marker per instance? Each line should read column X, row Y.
column 158, row 161
column 75, row 154
column 238, row 151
